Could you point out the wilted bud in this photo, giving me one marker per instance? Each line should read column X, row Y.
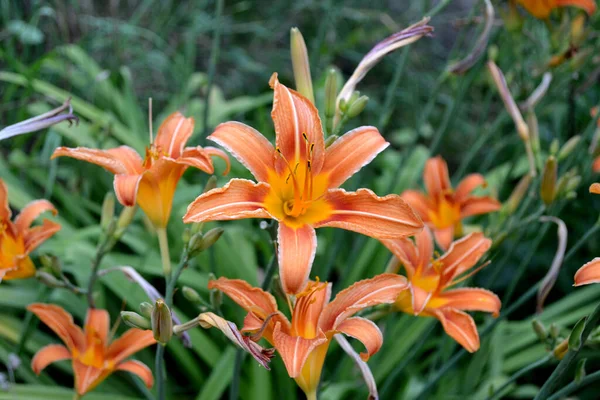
column 357, row 106
column 124, row 220
column 518, row 193
column 49, row 280
column 146, row 309
column 162, row 322
column 534, row 132
column 108, row 212
column 178, row 329
column 135, row 320
column 540, row 330
column 568, row 147
column 560, row 350
column 580, row 370
column 191, row 295
column 548, row 188
column 211, row 183
column 301, row 65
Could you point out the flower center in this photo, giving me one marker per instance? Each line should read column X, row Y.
column 94, row 353
column 447, row 213
column 153, row 153
column 301, row 179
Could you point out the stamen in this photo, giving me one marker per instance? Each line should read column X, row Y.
column 470, row 274
column 150, row 119
column 258, row 334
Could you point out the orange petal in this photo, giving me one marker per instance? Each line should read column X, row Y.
column 420, row 298
column 214, row 152
column 61, row 322
column 308, row 308
column 595, row 188
column 295, row 116
column 467, row 185
column 424, row 241
column 382, row 289
column 5, row 212
column 589, row 6
column 129, row 343
column 364, row 330
column 126, row 188
column 478, row 205
column 364, row 212
column 138, row 368
column 31, row 211
column 435, row 176
column 173, row 134
column 348, row 154
column 88, row 377
column 444, row 237
column 419, row 203
column 588, row 273
column 462, row 255
column 405, row 250
column 596, row 164
column 248, row 146
column 97, row 324
column 39, row 234
column 296, row 252
column 471, row 299
column 460, row 327
column 294, row 350
column 240, row 198
column 117, row 161
column 198, row 158
column 47, row 355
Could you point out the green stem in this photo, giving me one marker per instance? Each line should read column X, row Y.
column 237, row 372
column 270, row 271
column 212, row 66
column 160, row 374
column 103, row 248
column 163, row 242
column 566, row 363
column 498, row 392
column 573, row 386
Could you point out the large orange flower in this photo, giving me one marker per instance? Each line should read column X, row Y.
column 19, row 238
column 443, row 208
column 542, row 8
column 303, row 342
column 94, row 358
column 589, row 272
column 151, row 182
column 429, row 281
column 298, row 184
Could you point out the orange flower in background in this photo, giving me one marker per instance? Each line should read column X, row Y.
column 151, row 182
column 443, row 208
column 303, row 342
column 94, row 358
column 596, row 164
column 590, row 272
column 430, row 280
column 298, row 184
column 19, row 238
column 542, row 8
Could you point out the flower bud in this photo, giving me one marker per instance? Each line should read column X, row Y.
column 331, row 93
column 108, row 213
column 162, row 322
column 135, row 320
column 146, row 309
column 568, row 147
column 186, row 235
column 199, row 242
column 560, row 350
column 343, row 105
column 578, row 33
column 124, row 220
column 49, row 280
column 554, row 331
column 191, row 295
column 211, row 183
column 548, row 188
column 554, row 147
column 330, row 140
column 301, row 65
column 518, row 193
column 178, row 329
column 357, row 106
column 52, row 263
column 540, row 330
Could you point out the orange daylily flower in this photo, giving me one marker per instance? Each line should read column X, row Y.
column 151, row 182
column 589, row 272
column 303, row 342
column 443, row 208
column 298, row 184
column 19, row 238
column 596, row 165
column 93, row 355
column 430, row 281
column 541, row 9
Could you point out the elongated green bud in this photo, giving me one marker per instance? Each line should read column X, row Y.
column 357, row 106
column 568, row 147
column 49, row 280
column 301, row 65
column 548, row 188
column 554, row 147
column 124, row 220
column 108, row 212
column 178, row 329
column 162, row 322
column 135, row 320
column 540, row 330
column 518, row 193
column 191, row 295
column 211, row 237
column 146, row 309
column 331, row 92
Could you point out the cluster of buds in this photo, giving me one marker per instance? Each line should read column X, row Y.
column 156, row 317
column 112, row 226
column 52, row 275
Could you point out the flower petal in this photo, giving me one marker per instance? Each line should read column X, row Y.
column 588, row 273
column 294, row 350
column 467, row 185
column 595, row 188
column 294, row 117
column 5, row 212
column 382, row 289
column 196, row 157
column 240, row 198
column 248, row 146
column 48, row 355
column 444, row 237
column 173, row 134
column 589, row 6
column 460, row 327
column 296, row 252
column 348, row 154
column 364, row 330
column 97, row 324
column 61, row 322
column 39, row 234
column 596, row 164
column 126, row 188
column 87, row 377
column 308, row 308
column 479, row 205
column 31, row 211
column 471, row 299
column 405, row 250
column 420, row 298
column 364, row 212
column 435, row 176
column 463, row 254
column 214, row 152
column 129, row 343
column 140, row 369
column 419, row 203
column 424, row 242
column 116, row 161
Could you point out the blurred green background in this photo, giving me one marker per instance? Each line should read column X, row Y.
column 214, row 63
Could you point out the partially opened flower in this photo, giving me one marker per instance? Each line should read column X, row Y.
column 303, row 342
column 430, row 281
column 542, row 8
column 442, row 208
column 19, row 238
column 298, row 184
column 596, row 165
column 589, row 272
column 151, row 182
column 93, row 355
